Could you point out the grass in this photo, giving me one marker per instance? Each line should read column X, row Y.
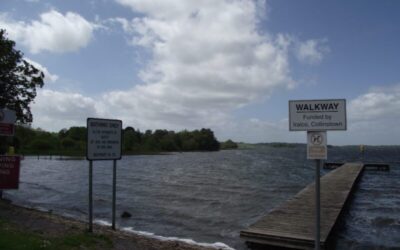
column 14, row 238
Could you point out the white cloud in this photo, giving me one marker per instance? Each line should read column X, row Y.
column 377, row 104
column 208, row 58
column 257, row 130
column 374, row 117
column 48, row 76
column 55, row 110
column 54, row 32
column 311, row 51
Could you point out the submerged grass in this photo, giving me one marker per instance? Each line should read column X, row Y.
column 15, row 238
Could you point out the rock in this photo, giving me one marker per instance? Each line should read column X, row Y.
column 126, row 214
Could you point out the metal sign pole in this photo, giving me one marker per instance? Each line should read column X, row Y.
column 114, row 193
column 90, row 196
column 316, row 117
column 317, row 205
column 104, row 138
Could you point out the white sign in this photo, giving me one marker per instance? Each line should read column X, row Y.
column 317, row 115
column 7, row 116
column 103, row 139
column 317, row 145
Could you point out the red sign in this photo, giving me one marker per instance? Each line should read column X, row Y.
column 9, row 172
column 6, row 129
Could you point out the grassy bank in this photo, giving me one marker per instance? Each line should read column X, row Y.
column 14, row 237
column 23, row 228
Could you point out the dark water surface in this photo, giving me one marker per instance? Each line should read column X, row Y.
column 210, row 197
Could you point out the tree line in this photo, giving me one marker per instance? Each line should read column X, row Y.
column 72, row 141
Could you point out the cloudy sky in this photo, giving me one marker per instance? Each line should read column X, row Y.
column 229, row 65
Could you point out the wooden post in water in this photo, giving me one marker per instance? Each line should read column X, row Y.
column 317, row 205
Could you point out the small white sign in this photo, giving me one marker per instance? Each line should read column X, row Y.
column 317, row 115
column 317, row 145
column 103, row 139
column 7, row 116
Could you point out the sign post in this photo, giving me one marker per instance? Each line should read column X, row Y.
column 114, row 191
column 317, row 205
column 316, row 117
column 90, row 196
column 104, row 138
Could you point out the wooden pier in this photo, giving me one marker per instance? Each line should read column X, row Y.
column 292, row 224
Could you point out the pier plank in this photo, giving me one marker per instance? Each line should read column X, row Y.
column 292, row 224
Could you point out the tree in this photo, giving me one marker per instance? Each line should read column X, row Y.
column 41, row 146
column 25, row 136
column 68, row 143
column 229, row 144
column 18, row 80
column 77, row 133
column 128, row 140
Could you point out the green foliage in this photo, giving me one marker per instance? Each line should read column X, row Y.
column 18, row 80
column 83, row 241
column 168, row 141
column 229, row 144
column 77, row 133
column 41, row 145
column 68, row 143
column 242, row 145
column 13, row 238
column 72, row 141
column 131, row 139
column 36, row 141
column 24, row 134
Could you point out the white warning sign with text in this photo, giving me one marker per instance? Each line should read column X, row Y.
column 104, row 138
column 317, row 145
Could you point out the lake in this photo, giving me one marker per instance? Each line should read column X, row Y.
column 210, row 196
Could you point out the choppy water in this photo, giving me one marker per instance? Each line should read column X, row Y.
column 209, row 197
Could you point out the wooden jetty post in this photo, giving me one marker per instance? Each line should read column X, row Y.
column 291, row 225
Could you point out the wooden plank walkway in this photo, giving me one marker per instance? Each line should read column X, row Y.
column 292, row 224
